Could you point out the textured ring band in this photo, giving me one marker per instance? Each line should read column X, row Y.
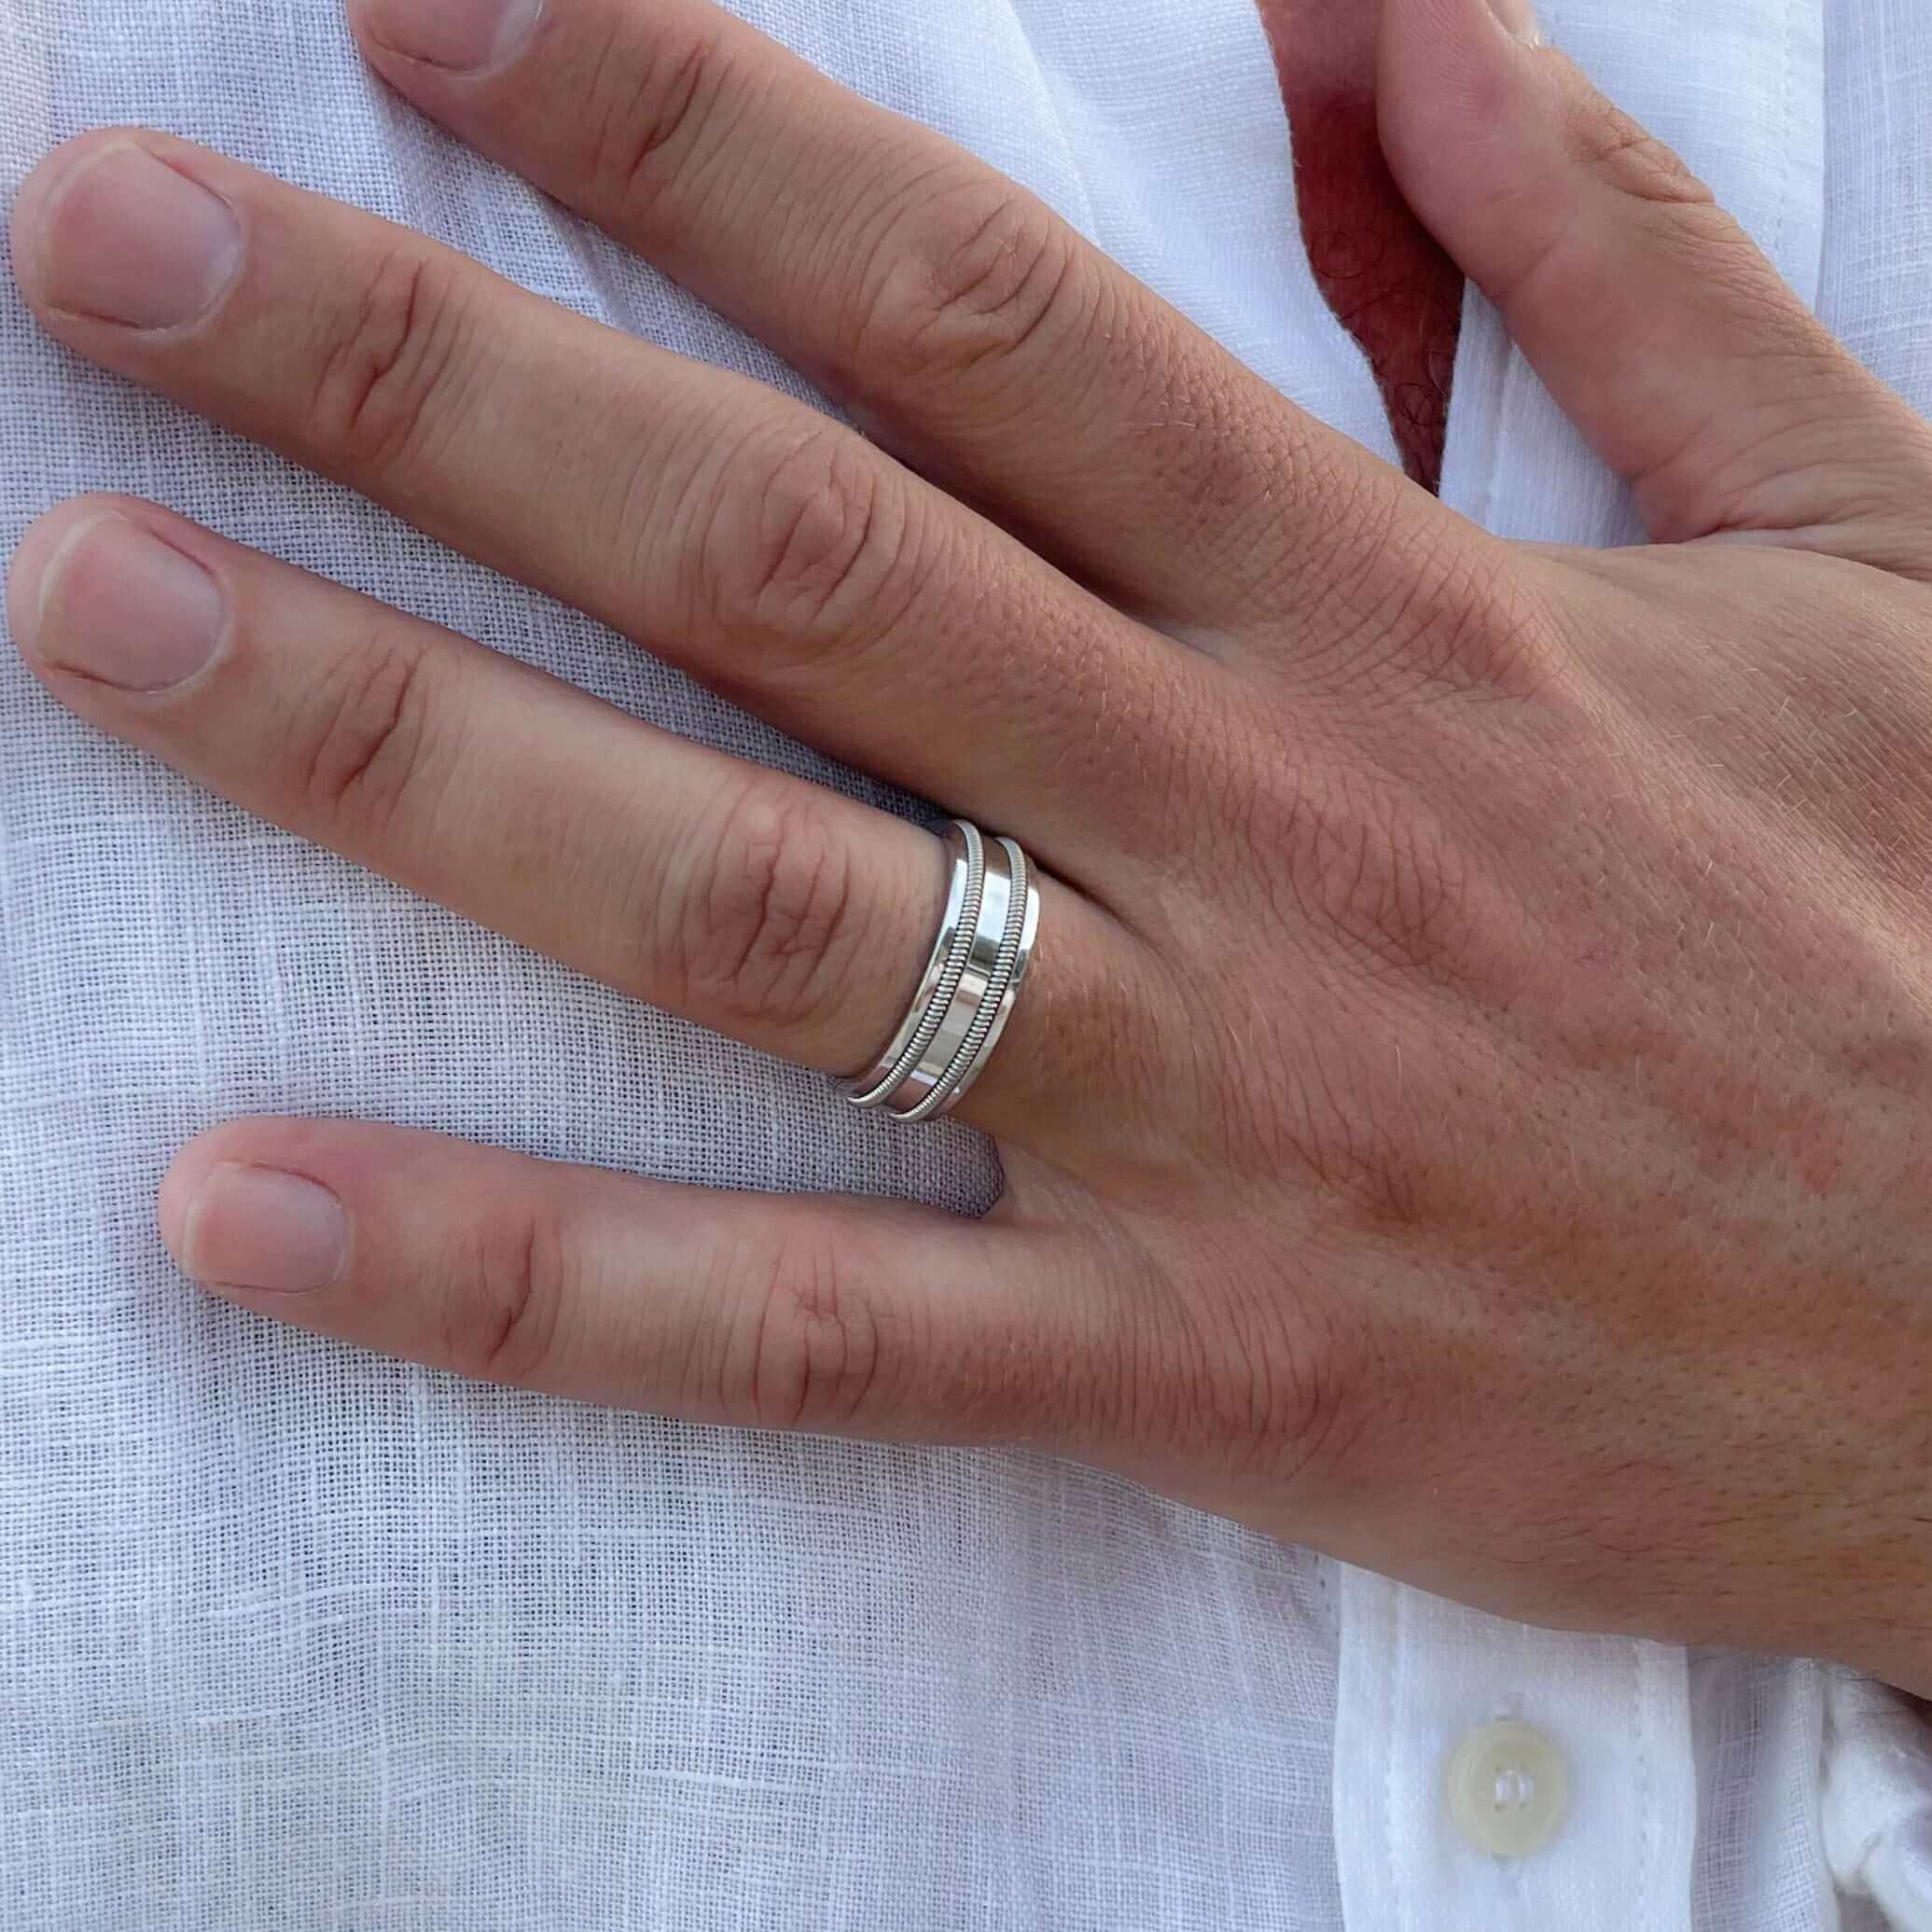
column 1000, row 1009
column 991, row 1008
column 940, row 980
column 982, row 962
column 967, row 993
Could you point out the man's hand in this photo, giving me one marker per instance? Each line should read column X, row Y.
column 1473, row 1109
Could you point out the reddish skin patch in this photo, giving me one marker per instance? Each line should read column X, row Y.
column 1389, row 284
column 1820, row 1171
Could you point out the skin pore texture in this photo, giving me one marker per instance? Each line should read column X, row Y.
column 1390, row 283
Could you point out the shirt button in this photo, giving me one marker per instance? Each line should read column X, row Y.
column 1508, row 1789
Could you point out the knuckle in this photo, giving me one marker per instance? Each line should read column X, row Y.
column 1475, row 625
column 768, row 925
column 970, row 276
column 805, row 538
column 386, row 363
column 807, row 1355
column 1623, row 152
column 650, row 97
column 1261, row 1381
column 1507, row 651
column 1432, row 616
column 1364, row 862
column 506, row 1315
column 1285, row 1399
column 364, row 744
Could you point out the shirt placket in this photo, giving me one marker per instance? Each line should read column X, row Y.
column 1490, row 1777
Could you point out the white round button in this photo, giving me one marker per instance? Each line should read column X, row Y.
column 1509, row 1790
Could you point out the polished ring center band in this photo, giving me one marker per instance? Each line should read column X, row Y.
column 966, row 993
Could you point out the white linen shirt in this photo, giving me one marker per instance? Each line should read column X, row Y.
column 293, row 1637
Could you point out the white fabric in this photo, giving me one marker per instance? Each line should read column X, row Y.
column 1878, row 1798
column 1417, row 1676
column 294, row 1638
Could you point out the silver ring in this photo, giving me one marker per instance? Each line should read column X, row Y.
column 967, row 993
column 942, row 977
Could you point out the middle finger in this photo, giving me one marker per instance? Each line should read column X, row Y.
column 780, row 557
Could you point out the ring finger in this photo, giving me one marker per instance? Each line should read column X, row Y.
column 770, row 908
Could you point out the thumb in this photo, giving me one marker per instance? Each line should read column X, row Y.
column 1670, row 340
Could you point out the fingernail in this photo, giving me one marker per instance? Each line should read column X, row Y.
column 258, row 1228
column 115, row 234
column 1520, row 18
column 114, row 603
column 461, row 34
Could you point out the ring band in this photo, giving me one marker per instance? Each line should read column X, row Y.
column 942, row 977
column 971, row 981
